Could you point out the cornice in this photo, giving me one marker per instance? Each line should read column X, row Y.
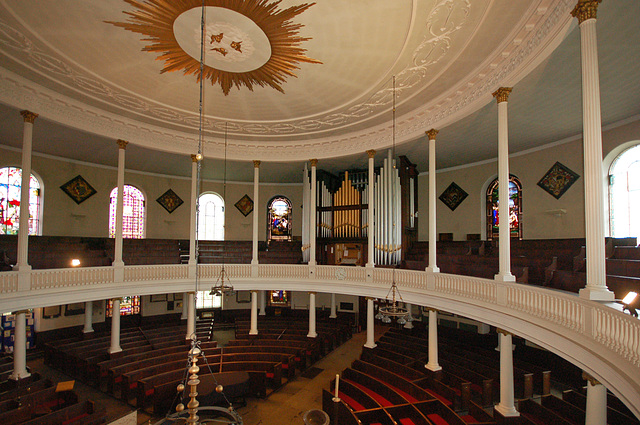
column 505, row 68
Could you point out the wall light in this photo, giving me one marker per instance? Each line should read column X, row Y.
column 75, row 262
column 627, row 301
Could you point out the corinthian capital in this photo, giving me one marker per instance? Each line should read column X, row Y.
column 122, row 144
column 502, row 94
column 432, row 133
column 585, row 9
column 29, row 116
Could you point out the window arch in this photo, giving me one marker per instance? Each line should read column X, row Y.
column 279, row 213
column 515, row 209
column 10, row 192
column 624, row 194
column 133, row 216
column 211, row 217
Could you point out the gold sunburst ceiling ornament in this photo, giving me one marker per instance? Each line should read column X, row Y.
column 246, row 42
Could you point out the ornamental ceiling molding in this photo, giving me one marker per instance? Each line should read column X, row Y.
column 26, row 94
column 262, row 44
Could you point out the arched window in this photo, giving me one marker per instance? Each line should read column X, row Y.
column 515, row 209
column 133, row 214
column 624, row 194
column 211, row 217
column 10, row 188
column 206, row 300
column 279, row 219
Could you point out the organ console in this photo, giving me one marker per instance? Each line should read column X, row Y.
column 342, row 204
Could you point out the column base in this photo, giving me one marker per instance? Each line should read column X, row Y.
column 432, row 269
column 87, row 331
column 312, row 335
column 18, row 376
column 21, row 267
column 596, row 294
column 433, row 368
column 374, row 345
column 254, row 262
column 505, row 277
column 253, row 332
column 506, row 411
column 262, row 313
column 115, row 350
column 334, row 316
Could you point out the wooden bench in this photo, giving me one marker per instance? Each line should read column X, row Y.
column 407, row 389
column 299, row 354
column 42, row 403
column 618, row 415
column 80, row 413
column 382, row 393
column 534, row 413
column 25, row 388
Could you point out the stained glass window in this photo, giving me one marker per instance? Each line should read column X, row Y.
column 624, row 194
column 515, row 209
column 204, row 299
column 128, row 306
column 279, row 218
column 279, row 297
column 133, row 214
column 10, row 187
column 211, row 217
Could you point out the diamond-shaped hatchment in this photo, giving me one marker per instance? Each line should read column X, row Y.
column 558, row 180
column 78, row 189
column 170, row 201
column 453, row 196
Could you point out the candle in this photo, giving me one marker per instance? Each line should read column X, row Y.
column 337, row 384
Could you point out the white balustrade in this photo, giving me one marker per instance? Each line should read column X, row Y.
column 595, row 327
column 62, row 278
column 8, row 282
column 156, row 272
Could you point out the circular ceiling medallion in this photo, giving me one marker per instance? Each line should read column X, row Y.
column 232, row 42
column 247, row 43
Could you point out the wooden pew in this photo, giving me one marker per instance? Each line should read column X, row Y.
column 25, row 388
column 9, row 385
column 480, row 384
column 103, row 367
column 354, row 397
column 375, row 416
column 564, row 408
column 40, row 404
column 407, row 414
column 438, row 413
column 311, row 349
column 287, row 360
column 614, row 416
column 411, row 392
column 161, row 398
column 338, row 411
column 536, row 414
column 384, row 393
column 80, row 413
column 298, row 353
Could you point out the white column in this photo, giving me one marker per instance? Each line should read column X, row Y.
column 506, row 406
column 263, row 303
column 370, row 187
column 313, row 222
column 432, row 364
column 596, row 413
column 191, row 315
column 185, row 306
column 433, row 268
column 88, row 317
column 117, row 256
column 20, row 347
column 256, row 193
column 409, row 324
column 370, row 343
column 333, row 314
column 254, row 313
column 312, row 315
column 22, row 261
column 115, row 327
column 193, row 218
column 596, row 288
column 504, row 252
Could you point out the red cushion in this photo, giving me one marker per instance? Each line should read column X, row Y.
column 351, row 402
column 77, row 418
column 469, row 419
column 270, row 375
column 133, row 385
column 374, row 395
column 437, row 419
column 407, row 421
column 439, row 397
column 149, row 392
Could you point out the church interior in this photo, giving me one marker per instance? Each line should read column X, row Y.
column 286, row 212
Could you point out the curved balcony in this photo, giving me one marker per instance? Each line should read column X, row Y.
column 596, row 337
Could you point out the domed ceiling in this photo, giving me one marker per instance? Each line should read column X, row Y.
column 289, row 80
